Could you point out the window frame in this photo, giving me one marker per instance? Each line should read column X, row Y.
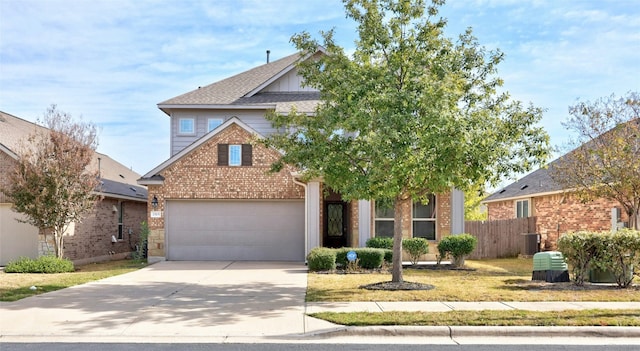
column 193, row 126
column 380, row 219
column 517, row 209
column 434, row 218
column 120, row 235
column 209, row 120
column 233, row 148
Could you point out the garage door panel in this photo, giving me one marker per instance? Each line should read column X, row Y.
column 235, row 230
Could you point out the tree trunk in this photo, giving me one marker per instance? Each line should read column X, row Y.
column 398, row 214
column 58, row 239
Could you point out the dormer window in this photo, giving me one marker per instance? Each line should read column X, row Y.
column 186, row 126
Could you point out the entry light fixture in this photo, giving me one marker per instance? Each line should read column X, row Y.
column 154, row 202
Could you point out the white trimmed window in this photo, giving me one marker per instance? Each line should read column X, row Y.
column 235, row 155
column 424, row 219
column 213, row 123
column 186, row 126
column 523, row 208
column 384, row 218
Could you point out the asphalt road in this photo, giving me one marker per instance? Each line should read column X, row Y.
column 298, row 347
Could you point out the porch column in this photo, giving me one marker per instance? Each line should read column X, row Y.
column 457, row 211
column 364, row 221
column 313, row 216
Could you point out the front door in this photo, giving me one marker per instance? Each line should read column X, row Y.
column 336, row 224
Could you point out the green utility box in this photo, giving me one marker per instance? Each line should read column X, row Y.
column 550, row 267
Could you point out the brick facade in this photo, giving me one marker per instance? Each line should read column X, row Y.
column 560, row 213
column 90, row 240
column 197, row 175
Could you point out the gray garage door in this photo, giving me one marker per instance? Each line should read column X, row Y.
column 235, row 230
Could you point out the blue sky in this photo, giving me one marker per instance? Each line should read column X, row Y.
column 112, row 61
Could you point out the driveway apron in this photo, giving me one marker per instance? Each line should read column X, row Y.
column 170, row 299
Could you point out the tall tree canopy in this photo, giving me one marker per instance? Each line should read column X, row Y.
column 410, row 112
column 51, row 183
column 606, row 160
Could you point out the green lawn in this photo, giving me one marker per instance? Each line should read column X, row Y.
column 15, row 286
column 487, row 280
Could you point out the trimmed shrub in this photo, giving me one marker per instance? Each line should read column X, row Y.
column 415, row 247
column 321, row 259
column 341, row 256
column 614, row 252
column 457, row 247
column 388, row 256
column 43, row 264
column 579, row 249
column 370, row 258
column 380, row 243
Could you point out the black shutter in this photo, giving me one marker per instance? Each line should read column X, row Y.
column 247, row 155
column 223, row 154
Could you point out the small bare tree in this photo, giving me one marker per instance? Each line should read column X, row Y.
column 52, row 184
column 606, row 160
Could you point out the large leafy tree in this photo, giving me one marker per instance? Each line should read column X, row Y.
column 410, row 112
column 606, row 160
column 51, row 183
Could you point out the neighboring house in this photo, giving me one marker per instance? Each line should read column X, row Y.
column 557, row 210
column 215, row 199
column 111, row 230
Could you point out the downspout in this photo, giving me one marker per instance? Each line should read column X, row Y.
column 306, row 217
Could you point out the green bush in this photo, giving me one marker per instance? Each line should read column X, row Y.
column 43, row 264
column 388, row 256
column 457, row 247
column 615, row 252
column 370, row 258
column 380, row 243
column 341, row 256
column 321, row 259
column 415, row 247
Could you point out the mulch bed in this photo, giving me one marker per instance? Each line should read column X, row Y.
column 391, row 286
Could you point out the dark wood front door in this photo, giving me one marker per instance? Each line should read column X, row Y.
column 336, row 224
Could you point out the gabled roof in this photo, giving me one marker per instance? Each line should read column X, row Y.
column 244, row 90
column 14, row 130
column 535, row 183
column 539, row 183
column 154, row 177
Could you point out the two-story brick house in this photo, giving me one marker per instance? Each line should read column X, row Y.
column 215, row 199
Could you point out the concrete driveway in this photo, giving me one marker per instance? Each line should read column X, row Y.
column 170, row 299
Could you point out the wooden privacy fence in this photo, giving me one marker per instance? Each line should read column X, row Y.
column 503, row 238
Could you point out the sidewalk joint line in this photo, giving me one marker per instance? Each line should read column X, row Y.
column 379, row 307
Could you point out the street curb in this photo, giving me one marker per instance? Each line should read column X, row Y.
column 489, row 331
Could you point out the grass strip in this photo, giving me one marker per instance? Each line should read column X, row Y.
column 596, row 317
column 16, row 286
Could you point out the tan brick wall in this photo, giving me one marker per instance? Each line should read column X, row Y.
column 560, row 213
column 443, row 215
column 197, row 176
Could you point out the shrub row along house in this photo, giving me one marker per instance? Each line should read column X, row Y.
column 215, row 199
column 110, row 231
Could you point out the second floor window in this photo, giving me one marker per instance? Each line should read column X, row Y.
column 213, row 123
column 186, row 126
column 235, row 155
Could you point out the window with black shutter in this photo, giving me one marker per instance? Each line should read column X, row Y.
column 247, row 155
column 223, row 154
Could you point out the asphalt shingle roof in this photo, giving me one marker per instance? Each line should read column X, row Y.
column 14, row 130
column 536, row 182
column 234, row 90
